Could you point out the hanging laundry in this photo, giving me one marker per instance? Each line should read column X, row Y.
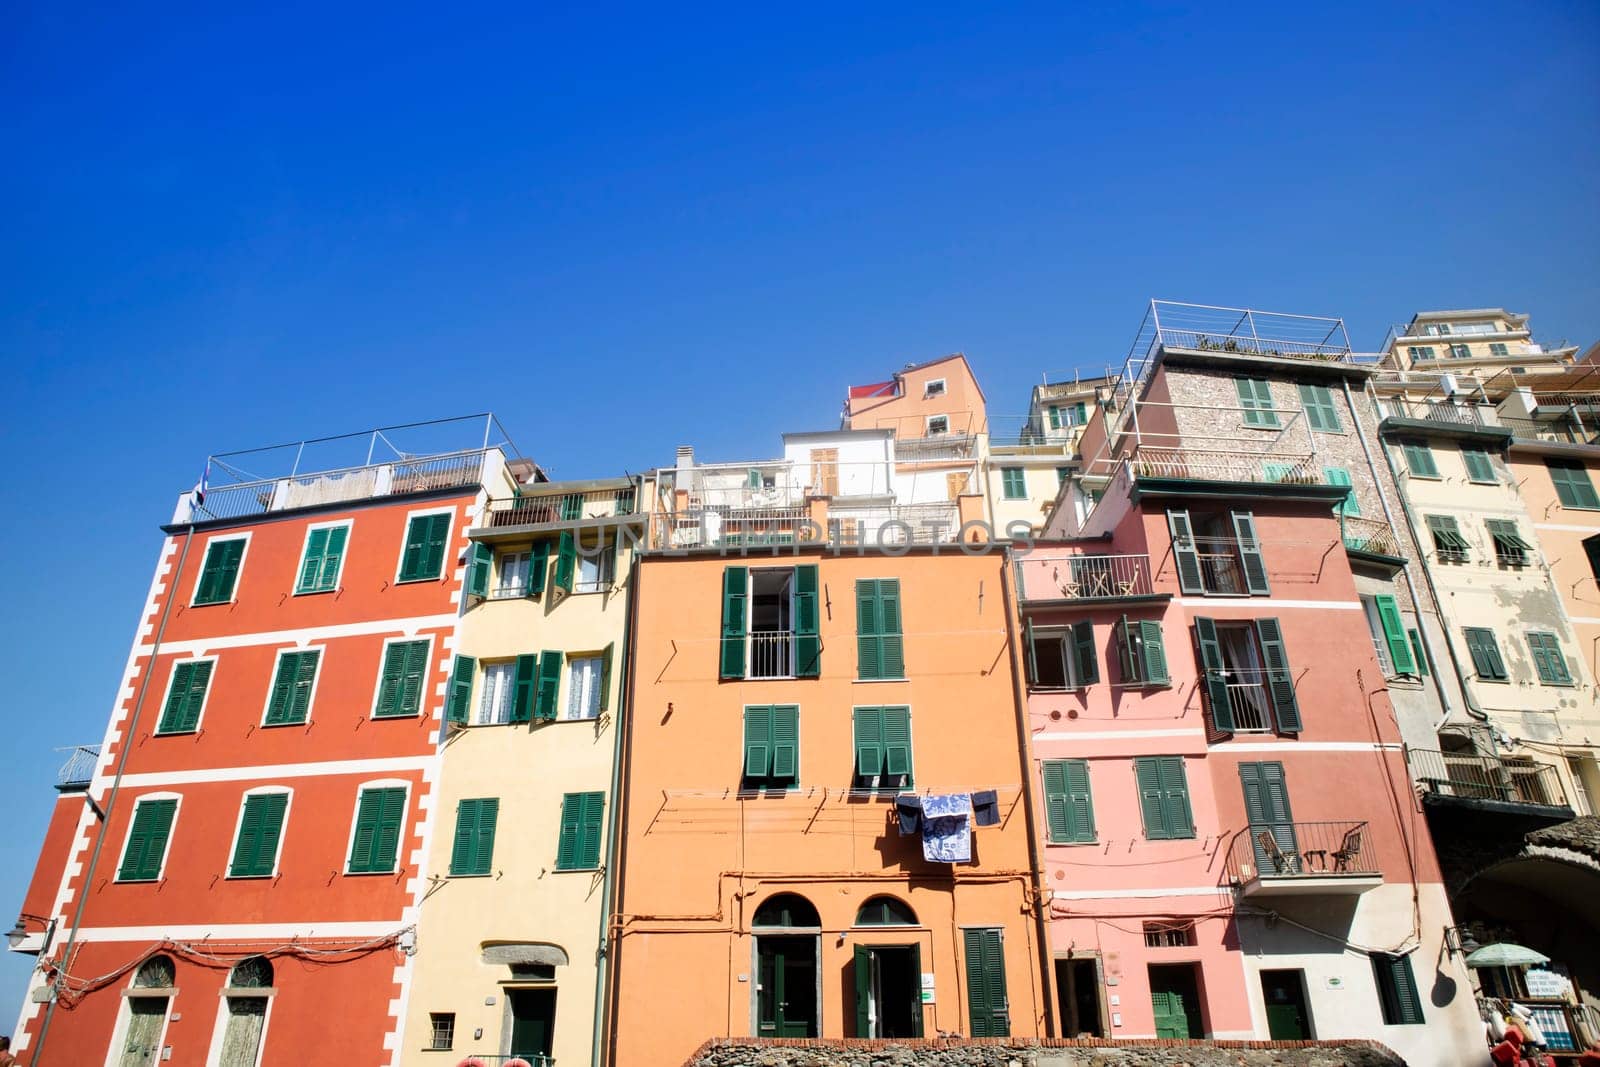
column 986, row 808
column 908, row 808
column 947, row 828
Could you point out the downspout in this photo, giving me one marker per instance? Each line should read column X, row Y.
column 1427, row 575
column 1025, row 750
column 606, row 979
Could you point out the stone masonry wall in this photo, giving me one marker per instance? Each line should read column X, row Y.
column 1041, row 1053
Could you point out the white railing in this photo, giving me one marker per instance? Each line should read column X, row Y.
column 456, row 470
column 1250, row 702
column 937, row 522
column 1221, row 573
column 1085, row 577
column 1225, row 465
column 771, row 654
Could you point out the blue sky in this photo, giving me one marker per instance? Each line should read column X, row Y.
column 627, row 231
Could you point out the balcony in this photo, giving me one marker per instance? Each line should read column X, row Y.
column 1489, row 783
column 1225, row 465
column 935, row 522
column 1304, row 859
column 1078, row 577
column 77, row 770
column 539, row 505
column 1369, row 536
column 1568, row 429
column 1446, row 414
column 1035, row 434
column 1249, row 701
column 771, row 654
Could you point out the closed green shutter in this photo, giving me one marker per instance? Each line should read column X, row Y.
column 1479, row 466
column 1280, row 681
column 479, row 563
column 1147, row 778
column 566, row 560
column 735, row 595
column 1572, row 483
column 807, row 643
column 311, row 564
column 1164, row 797
column 880, row 645
column 1081, row 410
column 579, row 845
column 426, row 536
column 987, row 1006
column 538, row 567
column 1266, row 804
column 319, row 570
column 1397, row 989
column 1250, row 559
column 379, row 817
column 1321, row 413
column 1419, row 459
column 1485, row 653
column 1255, row 397
column 1216, row 678
column 1015, row 484
column 757, row 742
column 1184, row 552
column 1069, row 808
column 1419, row 652
column 1340, row 477
column 147, row 840
column 255, row 853
column 785, row 743
column 290, row 699
column 1153, row 653
column 472, row 852
column 605, row 675
column 1548, row 659
column 869, row 741
column 220, row 571
column 459, row 704
column 405, row 664
column 549, row 686
column 897, row 742
column 185, row 696
column 1083, row 653
column 525, row 687
column 1394, row 634
column 1055, row 417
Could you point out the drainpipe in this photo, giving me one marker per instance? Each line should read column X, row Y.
column 1427, row 575
column 614, row 841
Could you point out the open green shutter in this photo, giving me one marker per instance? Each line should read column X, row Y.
column 1147, row 777
column 861, row 971
column 245, row 848
column 808, row 645
column 549, row 686
column 869, row 741
column 311, row 566
column 1033, row 658
column 1280, row 682
column 366, row 835
column 1338, row 476
column 1083, row 652
column 785, row 741
column 1154, row 653
column 459, row 705
column 605, row 675
column 525, row 689
column 538, row 567
column 390, row 678
column 897, row 741
column 481, row 560
column 757, row 741
column 566, row 560
column 735, row 586
column 416, row 669
column 1184, row 552
column 1080, row 802
column 1055, row 417
column 1216, row 678
column 1394, row 634
column 1255, row 569
column 1057, row 821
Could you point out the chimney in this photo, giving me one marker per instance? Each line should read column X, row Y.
column 685, row 456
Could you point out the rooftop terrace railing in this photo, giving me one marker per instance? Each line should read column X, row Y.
column 537, row 506
column 1233, row 331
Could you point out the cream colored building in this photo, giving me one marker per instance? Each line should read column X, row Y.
column 1482, row 342
column 1029, row 460
column 511, row 934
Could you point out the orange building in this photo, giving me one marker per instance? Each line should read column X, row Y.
column 808, row 728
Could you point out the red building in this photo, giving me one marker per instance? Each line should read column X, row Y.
column 242, row 859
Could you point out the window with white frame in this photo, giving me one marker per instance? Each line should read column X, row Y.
column 1369, row 606
column 935, row 387
column 513, row 575
column 938, row 424
column 594, row 571
column 494, row 696
column 583, row 693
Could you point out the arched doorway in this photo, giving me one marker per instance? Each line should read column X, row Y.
column 245, row 1001
column 788, row 948
column 888, row 977
column 146, row 1018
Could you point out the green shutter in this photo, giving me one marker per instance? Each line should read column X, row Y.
column 549, row 685
column 757, row 742
column 525, row 688
column 1154, row 665
column 808, row 645
column 1033, row 656
column 579, row 845
column 1216, row 678
column 1572, row 483
column 1320, row 411
column 424, row 547
column 538, row 567
column 379, row 817
column 880, row 645
column 1280, row 681
column 987, row 1006
column 1397, row 989
column 472, row 852
column 1266, row 803
column 1055, row 417
column 311, row 565
column 1419, row 459
column 390, row 678
column 148, row 832
column 481, row 560
column 220, row 571
column 1420, row 653
column 1175, row 796
column 298, row 673
column 1394, row 634
column 897, row 742
column 1255, row 568
column 861, row 971
column 1083, row 652
column 1548, row 659
column 1069, row 808
column 185, row 696
column 1184, row 553
column 571, row 507
column 255, row 853
column 1485, row 653
column 605, row 675
column 405, row 664
column 1277, row 472
column 735, row 586
column 1014, row 481
column 1081, row 409
column 1338, row 476
column 566, row 560
column 459, row 704
column 1255, row 396
column 1147, row 777
column 593, row 809
column 869, row 742
column 786, row 742
column 1479, row 467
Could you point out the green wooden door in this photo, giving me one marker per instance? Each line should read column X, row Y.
column 142, row 1045
column 1175, row 1000
column 987, row 1005
column 1171, row 1020
column 533, row 1018
column 1284, row 993
column 786, row 998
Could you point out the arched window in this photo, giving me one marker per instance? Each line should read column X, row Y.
column 157, row 972
column 254, row 972
column 886, row 911
column 787, row 909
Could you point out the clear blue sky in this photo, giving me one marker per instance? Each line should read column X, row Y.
column 225, row 230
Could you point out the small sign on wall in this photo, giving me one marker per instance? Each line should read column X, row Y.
column 927, row 988
column 1333, row 981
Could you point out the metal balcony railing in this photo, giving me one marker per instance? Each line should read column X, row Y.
column 1221, row 573
column 537, row 506
column 771, row 654
column 1083, row 577
column 1023, row 431
column 935, row 522
column 1302, row 850
column 1369, row 535
column 1449, row 414
column 77, row 770
column 1225, row 465
column 1470, row 776
column 1567, row 429
column 1250, row 702
column 458, row 470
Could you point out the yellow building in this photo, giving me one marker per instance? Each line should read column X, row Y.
column 511, row 933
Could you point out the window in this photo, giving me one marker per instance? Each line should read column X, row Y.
column 1547, row 658
column 513, row 574
column 1163, row 797
column 380, row 812
column 1255, row 397
column 1509, row 547
column 186, row 695
column 220, row 573
column 1419, row 458
column 1438, row 329
column 1480, row 468
column 1015, row 483
column 579, row 846
column 1460, row 352
column 1062, row 658
column 289, row 701
column 1572, row 483
column 148, row 834
column 255, row 847
column 1341, row 477
column 1321, row 413
column 1591, row 548
column 1388, row 634
column 934, row 387
column 1218, row 553
column 771, row 746
column 423, row 552
column 885, row 911
column 938, row 424
column 1419, row 653
column 1068, row 805
column 1498, row 348
column 405, row 663
column 1448, row 543
column 883, row 748
column 323, row 559
column 1420, row 352
column 1141, row 652
column 494, row 696
column 1485, row 652
column 583, row 687
column 472, row 852
column 769, row 623
column 1065, row 416
column 1397, row 989
column 880, row 644
column 595, row 569
column 1247, row 680
column 1170, row 934
column 441, row 1030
